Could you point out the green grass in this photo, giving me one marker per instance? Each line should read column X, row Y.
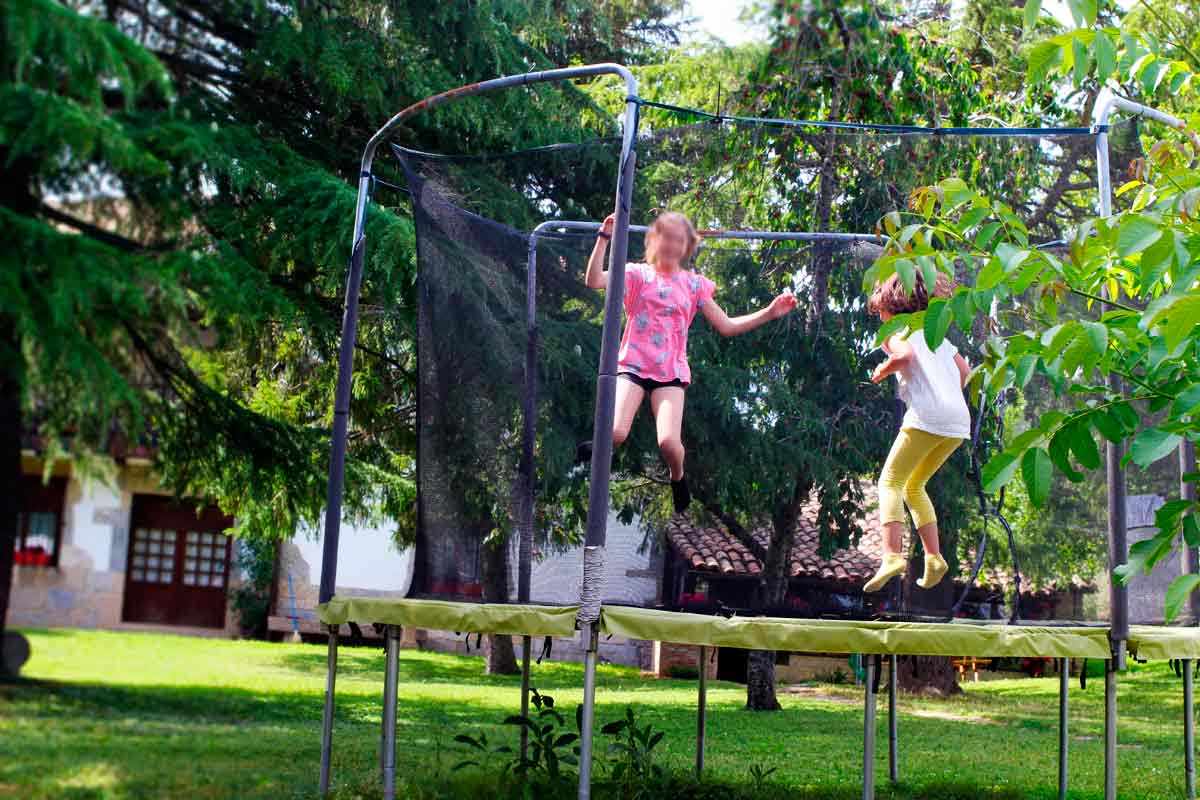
column 125, row 715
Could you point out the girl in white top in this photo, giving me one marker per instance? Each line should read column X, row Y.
column 936, row 423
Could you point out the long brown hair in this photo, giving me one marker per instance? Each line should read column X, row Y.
column 652, row 235
column 891, row 297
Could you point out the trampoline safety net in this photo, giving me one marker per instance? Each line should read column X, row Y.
column 508, row 346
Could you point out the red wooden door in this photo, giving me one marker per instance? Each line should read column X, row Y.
column 177, row 572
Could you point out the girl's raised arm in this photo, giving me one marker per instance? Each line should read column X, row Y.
column 780, row 306
column 597, row 276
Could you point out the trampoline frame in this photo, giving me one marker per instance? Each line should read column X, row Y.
column 598, row 490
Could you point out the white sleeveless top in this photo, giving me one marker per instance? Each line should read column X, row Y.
column 931, row 387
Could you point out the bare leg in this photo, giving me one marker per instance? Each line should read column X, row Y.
column 929, row 538
column 667, row 405
column 893, row 537
column 628, row 401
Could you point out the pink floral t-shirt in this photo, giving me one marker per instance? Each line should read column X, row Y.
column 659, row 309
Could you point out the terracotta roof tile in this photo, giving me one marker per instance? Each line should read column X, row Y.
column 715, row 549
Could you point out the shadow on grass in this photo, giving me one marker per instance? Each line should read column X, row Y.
column 426, row 667
column 673, row 786
column 44, row 698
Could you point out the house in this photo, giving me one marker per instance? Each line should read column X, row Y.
column 121, row 553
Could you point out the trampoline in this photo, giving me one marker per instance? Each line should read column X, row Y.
column 508, row 292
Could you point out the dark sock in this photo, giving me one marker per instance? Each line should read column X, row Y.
column 583, row 452
column 681, row 495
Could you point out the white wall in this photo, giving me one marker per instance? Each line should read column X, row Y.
column 556, row 578
column 367, row 559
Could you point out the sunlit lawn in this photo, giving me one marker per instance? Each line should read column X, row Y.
column 100, row 715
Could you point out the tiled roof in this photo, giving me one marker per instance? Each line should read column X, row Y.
column 713, row 548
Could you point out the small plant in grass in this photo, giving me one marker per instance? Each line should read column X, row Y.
column 759, row 775
column 486, row 753
column 632, row 757
column 550, row 747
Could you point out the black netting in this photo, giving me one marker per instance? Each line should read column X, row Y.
column 475, row 215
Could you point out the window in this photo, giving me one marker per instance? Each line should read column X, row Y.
column 39, row 523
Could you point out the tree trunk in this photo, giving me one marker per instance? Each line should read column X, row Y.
column 10, row 475
column 500, row 658
column 15, row 196
column 760, row 681
column 760, row 664
column 928, row 675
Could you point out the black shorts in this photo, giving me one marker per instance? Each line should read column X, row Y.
column 650, row 385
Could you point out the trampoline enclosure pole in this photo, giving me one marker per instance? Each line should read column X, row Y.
column 1117, row 540
column 1113, row 452
column 1189, row 730
column 391, row 675
column 526, row 644
column 1064, row 685
column 868, row 786
column 589, row 712
column 893, row 732
column 1187, row 491
column 606, row 384
column 327, row 718
column 1110, row 731
column 701, row 708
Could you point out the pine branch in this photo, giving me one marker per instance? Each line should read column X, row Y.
column 104, row 237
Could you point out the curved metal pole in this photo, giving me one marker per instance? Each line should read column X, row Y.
column 1118, row 549
column 341, row 408
column 570, row 226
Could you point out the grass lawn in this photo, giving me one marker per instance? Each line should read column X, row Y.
column 127, row 715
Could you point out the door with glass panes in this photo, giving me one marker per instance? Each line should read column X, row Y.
column 177, row 572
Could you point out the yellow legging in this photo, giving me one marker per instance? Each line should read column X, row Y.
column 915, row 456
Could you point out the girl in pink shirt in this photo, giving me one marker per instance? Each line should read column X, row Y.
column 661, row 300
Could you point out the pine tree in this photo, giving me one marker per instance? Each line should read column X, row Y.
column 179, row 186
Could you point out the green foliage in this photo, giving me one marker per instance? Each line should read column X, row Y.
column 632, row 759
column 1142, row 263
column 550, row 747
column 251, row 600
column 180, row 184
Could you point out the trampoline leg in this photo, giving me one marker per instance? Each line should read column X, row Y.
column 1110, row 731
column 893, row 733
column 391, row 676
column 1064, row 685
column 868, row 792
column 589, row 711
column 1189, row 730
column 327, row 718
column 701, row 707
column 526, row 645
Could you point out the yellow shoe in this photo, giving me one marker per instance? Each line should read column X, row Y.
column 935, row 569
column 893, row 565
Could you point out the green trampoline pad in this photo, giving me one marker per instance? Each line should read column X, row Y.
column 444, row 615
column 851, row 636
column 1160, row 642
